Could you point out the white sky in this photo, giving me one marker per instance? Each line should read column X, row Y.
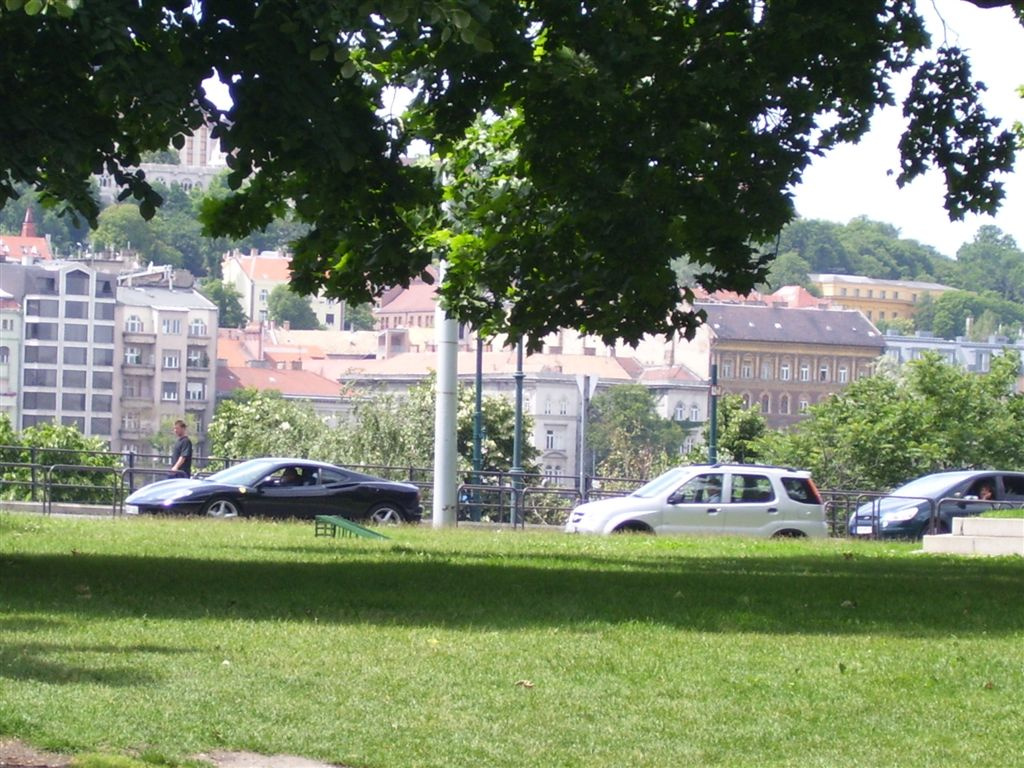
column 852, row 180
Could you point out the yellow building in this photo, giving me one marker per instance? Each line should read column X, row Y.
column 878, row 299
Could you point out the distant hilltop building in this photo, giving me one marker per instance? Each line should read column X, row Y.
column 201, row 160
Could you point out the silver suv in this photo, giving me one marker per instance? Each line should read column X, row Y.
column 746, row 499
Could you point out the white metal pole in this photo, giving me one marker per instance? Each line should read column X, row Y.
column 445, row 435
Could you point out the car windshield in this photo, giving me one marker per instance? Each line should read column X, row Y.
column 662, row 483
column 246, row 473
column 929, row 485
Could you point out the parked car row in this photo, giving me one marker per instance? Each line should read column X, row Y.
column 747, row 499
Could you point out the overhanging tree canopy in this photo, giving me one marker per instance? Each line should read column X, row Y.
column 635, row 132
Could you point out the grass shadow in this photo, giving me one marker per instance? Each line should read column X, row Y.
column 399, row 586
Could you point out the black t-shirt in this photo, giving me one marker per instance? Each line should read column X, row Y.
column 183, row 447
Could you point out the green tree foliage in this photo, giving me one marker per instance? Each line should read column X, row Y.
column 286, row 306
column 387, row 430
column 228, row 301
column 627, row 436
column 398, row 430
column 359, row 317
column 992, row 262
column 93, row 478
column 888, row 428
column 947, row 316
column 635, row 132
column 860, row 247
column 255, row 423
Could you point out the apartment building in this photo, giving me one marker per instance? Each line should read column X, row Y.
column 782, row 358
column 167, row 353
column 10, row 356
column 67, row 345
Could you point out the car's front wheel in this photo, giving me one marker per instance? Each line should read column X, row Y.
column 386, row 514
column 222, row 508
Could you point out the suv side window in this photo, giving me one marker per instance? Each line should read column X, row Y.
column 705, row 488
column 751, row 489
column 800, row 489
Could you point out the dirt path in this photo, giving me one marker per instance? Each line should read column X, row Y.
column 17, row 754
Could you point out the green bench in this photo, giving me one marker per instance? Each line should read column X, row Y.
column 333, row 526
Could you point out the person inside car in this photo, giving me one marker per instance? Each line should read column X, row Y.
column 290, row 476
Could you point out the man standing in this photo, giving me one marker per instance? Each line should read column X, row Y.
column 181, row 456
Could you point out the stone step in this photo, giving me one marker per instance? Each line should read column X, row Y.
column 988, row 526
column 951, row 544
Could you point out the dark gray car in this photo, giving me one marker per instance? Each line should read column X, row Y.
column 907, row 512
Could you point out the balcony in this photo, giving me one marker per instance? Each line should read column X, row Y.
column 139, row 337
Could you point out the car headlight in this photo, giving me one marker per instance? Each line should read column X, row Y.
column 900, row 515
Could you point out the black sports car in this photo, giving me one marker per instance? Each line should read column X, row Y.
column 282, row 488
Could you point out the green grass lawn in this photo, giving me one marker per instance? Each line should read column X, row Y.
column 165, row 638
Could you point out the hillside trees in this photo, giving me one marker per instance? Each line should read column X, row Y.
column 635, row 133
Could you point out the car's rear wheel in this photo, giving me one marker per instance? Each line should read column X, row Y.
column 385, row 514
column 789, row 533
column 222, row 508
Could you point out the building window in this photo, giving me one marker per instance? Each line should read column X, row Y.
column 102, row 380
column 78, row 422
column 132, row 356
column 766, row 371
column 172, row 361
column 263, row 295
column 75, row 355
column 766, row 403
column 76, row 284
column 133, row 324
column 680, row 412
column 99, row 426
column 805, row 372
column 5, row 355
column 563, row 407
column 47, row 355
column 76, row 332
column 41, row 331
column 842, row 374
column 41, row 378
column 103, row 357
column 784, row 404
column 823, row 373
column 104, row 310
column 547, row 406
column 103, row 334
column 784, row 372
column 747, row 370
column 169, row 391
column 6, row 324
column 195, row 390
column 549, row 440
column 694, row 413
column 71, row 401
column 727, row 369
column 102, row 403
column 77, row 310
column 40, row 401
column 197, row 358
column 171, row 326
column 74, row 379
column 803, row 406
column 197, row 328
